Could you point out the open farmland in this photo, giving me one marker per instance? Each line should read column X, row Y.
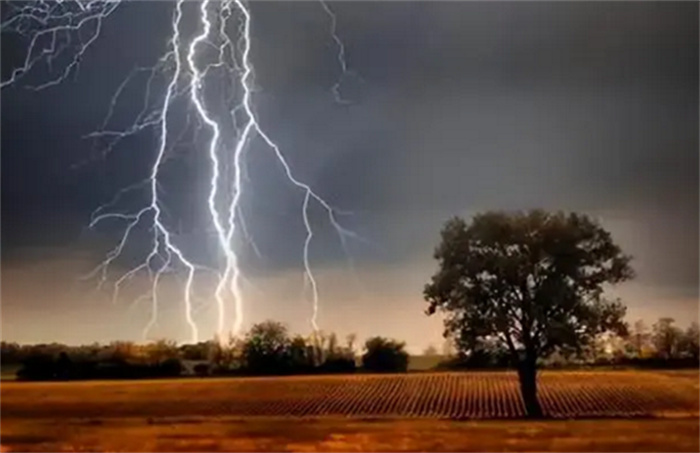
column 355, row 413
column 485, row 395
column 345, row 435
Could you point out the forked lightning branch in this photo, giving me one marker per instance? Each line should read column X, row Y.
column 59, row 33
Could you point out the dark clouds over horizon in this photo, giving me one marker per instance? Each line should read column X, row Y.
column 459, row 107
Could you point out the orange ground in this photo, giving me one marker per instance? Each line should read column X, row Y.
column 325, row 435
column 426, row 395
column 353, row 413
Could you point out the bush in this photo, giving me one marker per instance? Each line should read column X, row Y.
column 484, row 356
column 301, row 357
column 384, row 356
column 198, row 351
column 266, row 349
column 43, row 367
column 202, row 369
column 339, row 364
column 37, row 367
column 170, row 368
column 661, row 363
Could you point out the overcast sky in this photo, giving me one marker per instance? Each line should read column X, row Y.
column 456, row 107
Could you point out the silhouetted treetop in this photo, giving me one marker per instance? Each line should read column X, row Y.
column 533, row 281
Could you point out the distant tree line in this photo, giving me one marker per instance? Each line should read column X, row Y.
column 266, row 349
column 269, row 349
column 664, row 345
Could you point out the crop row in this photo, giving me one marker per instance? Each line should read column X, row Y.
column 458, row 396
column 429, row 395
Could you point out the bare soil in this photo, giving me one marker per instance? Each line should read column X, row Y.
column 423, row 412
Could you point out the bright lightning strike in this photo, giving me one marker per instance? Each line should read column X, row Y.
column 161, row 234
column 225, row 238
column 341, row 53
column 254, row 126
column 59, row 28
column 51, row 27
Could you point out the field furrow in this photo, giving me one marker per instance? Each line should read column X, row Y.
column 430, row 395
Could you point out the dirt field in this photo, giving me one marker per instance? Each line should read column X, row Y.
column 222, row 434
column 354, row 413
column 425, row 395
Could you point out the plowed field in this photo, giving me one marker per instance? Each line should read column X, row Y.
column 431, row 395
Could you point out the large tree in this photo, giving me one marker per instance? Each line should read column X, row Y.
column 532, row 281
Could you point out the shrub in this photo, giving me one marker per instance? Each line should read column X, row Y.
column 266, row 349
column 384, row 355
column 301, row 356
column 37, row 367
column 484, row 355
column 170, row 367
column 202, row 369
column 338, row 364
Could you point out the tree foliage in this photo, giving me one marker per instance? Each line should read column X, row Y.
column 691, row 342
column 266, row 348
column 671, row 342
column 384, row 355
column 639, row 340
column 667, row 338
column 532, row 282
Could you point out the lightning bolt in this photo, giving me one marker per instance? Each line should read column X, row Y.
column 45, row 23
column 162, row 237
column 52, row 27
column 224, row 235
column 253, row 126
column 341, row 53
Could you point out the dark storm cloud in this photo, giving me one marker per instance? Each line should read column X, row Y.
column 45, row 200
column 456, row 107
column 508, row 105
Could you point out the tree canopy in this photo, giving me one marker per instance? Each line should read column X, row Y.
column 384, row 355
column 532, row 281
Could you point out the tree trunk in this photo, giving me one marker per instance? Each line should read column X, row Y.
column 527, row 373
